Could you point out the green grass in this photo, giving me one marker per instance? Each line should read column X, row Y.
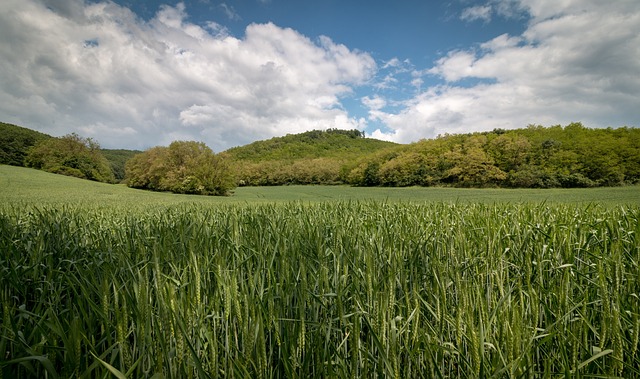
column 28, row 186
column 99, row 281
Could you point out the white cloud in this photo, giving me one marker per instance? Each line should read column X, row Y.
column 99, row 70
column 480, row 12
column 137, row 84
column 510, row 9
column 578, row 60
column 230, row 12
column 374, row 103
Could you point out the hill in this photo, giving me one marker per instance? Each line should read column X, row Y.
column 532, row 157
column 15, row 141
column 313, row 157
column 332, row 143
column 117, row 159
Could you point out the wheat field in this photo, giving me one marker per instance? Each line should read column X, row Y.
column 341, row 289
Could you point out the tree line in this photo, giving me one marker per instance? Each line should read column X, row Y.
column 187, row 167
column 532, row 157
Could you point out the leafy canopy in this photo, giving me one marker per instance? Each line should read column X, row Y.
column 15, row 142
column 186, row 167
column 71, row 155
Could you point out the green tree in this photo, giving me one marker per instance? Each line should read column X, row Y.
column 15, row 142
column 187, row 167
column 71, row 155
column 509, row 151
column 117, row 159
column 471, row 166
column 409, row 169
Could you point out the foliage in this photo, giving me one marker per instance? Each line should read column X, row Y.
column 15, row 141
column 311, row 144
column 117, row 160
column 313, row 157
column 186, row 167
column 534, row 157
column 336, row 290
column 71, row 155
column 572, row 156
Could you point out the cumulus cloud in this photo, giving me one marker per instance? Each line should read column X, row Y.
column 99, row 70
column 576, row 61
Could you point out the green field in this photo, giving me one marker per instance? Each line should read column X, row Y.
column 27, row 186
column 101, row 280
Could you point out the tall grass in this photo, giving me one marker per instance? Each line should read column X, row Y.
column 348, row 290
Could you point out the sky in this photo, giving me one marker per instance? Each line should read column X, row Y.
column 136, row 74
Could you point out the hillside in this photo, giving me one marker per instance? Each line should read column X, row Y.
column 332, row 143
column 533, row 157
column 117, row 159
column 15, row 141
column 313, row 157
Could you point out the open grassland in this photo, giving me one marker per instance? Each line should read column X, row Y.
column 100, row 280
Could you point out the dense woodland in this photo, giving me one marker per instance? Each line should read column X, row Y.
column 532, row 157
column 15, row 142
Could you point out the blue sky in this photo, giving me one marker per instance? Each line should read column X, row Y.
column 412, row 33
column 136, row 74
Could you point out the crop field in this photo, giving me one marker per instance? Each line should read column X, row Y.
column 164, row 286
column 26, row 187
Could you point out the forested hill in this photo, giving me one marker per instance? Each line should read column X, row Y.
column 533, row 157
column 333, row 143
column 313, row 157
column 15, row 141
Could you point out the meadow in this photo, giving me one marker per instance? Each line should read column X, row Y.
column 285, row 282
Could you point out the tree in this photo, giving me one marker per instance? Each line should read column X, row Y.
column 71, row 155
column 471, row 166
column 15, row 142
column 509, row 151
column 409, row 169
column 187, row 167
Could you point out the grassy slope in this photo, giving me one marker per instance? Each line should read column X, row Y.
column 23, row 186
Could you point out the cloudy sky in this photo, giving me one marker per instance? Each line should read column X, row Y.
column 136, row 74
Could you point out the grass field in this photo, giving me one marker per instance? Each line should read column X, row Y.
column 103, row 281
column 28, row 186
